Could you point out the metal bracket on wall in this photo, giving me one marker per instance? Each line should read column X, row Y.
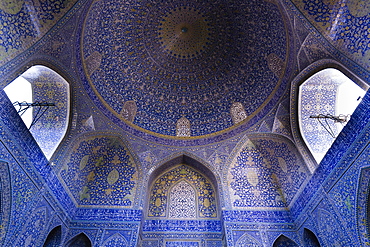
column 337, row 119
column 42, row 107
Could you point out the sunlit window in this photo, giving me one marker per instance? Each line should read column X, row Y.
column 41, row 97
column 20, row 90
column 326, row 101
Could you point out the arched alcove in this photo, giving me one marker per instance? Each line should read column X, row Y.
column 183, row 203
column 81, row 240
column 284, row 241
column 54, row 237
column 43, row 104
column 310, row 239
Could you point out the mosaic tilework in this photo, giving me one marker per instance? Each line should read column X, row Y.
column 343, row 194
column 261, row 174
column 48, row 86
column 344, row 24
column 5, row 198
column 160, row 201
column 35, row 224
column 25, row 22
column 328, row 223
column 212, row 155
column 182, row 244
column 162, row 238
column 116, row 240
column 314, row 49
column 214, row 243
column 23, row 191
column 348, row 144
column 183, row 127
column 182, row 201
column 247, row 241
column 106, row 214
column 149, row 243
column 279, row 216
column 99, row 231
column 100, row 171
column 363, row 222
column 278, row 121
column 182, row 225
column 135, row 54
column 237, row 112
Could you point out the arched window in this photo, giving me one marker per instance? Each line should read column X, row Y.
column 183, row 127
column 129, row 110
column 81, row 240
column 43, row 104
column 237, row 112
column 326, row 101
column 54, row 238
column 182, row 202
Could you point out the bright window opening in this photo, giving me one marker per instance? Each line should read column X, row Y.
column 20, row 90
column 326, row 101
column 42, row 87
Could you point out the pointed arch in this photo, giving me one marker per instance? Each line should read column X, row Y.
column 284, row 241
column 327, row 93
column 129, row 110
column 237, row 112
column 48, row 101
column 81, row 240
column 295, row 99
column 310, row 239
column 178, row 175
column 54, row 237
column 183, row 127
column 203, row 206
column 182, row 201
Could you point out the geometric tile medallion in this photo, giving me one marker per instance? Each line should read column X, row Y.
column 178, row 59
column 100, row 172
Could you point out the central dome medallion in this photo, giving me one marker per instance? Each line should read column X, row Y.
column 194, row 68
column 184, row 33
